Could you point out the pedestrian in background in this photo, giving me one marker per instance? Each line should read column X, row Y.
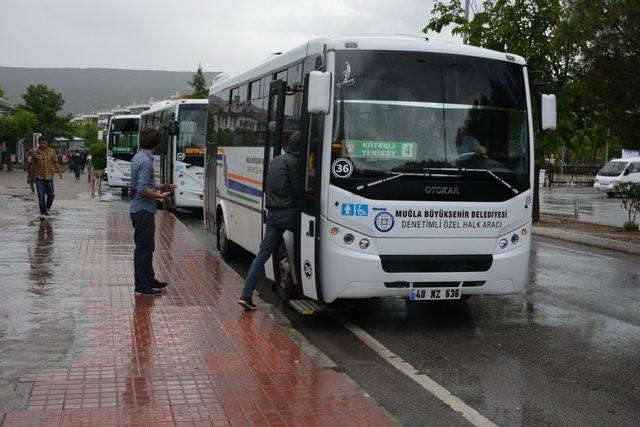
column 28, row 165
column 281, row 202
column 45, row 165
column 68, row 160
column 144, row 199
column 77, row 163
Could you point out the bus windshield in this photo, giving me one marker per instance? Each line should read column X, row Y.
column 193, row 128
column 430, row 117
column 123, row 138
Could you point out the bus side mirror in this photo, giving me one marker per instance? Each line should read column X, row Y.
column 548, row 112
column 319, row 96
column 174, row 128
column 627, row 172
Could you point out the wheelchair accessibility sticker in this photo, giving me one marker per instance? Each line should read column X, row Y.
column 352, row 209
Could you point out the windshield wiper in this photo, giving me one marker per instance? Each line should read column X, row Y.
column 394, row 175
column 505, row 183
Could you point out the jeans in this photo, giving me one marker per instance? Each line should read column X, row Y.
column 76, row 169
column 144, row 224
column 278, row 221
column 45, row 194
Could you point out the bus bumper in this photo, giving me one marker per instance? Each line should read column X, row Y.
column 351, row 274
column 116, row 181
column 186, row 198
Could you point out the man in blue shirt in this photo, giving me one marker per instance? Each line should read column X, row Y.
column 144, row 198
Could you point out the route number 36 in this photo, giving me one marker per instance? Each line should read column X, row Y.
column 342, row 168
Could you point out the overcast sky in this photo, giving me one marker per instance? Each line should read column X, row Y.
column 178, row 34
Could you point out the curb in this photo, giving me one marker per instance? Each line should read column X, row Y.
column 586, row 239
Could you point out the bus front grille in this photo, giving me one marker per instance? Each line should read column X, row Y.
column 403, row 284
column 435, row 263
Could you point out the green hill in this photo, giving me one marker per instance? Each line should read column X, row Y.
column 93, row 89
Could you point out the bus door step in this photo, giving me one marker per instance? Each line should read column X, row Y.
column 307, row 306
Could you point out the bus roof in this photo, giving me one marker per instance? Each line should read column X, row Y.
column 316, row 46
column 125, row 116
column 161, row 105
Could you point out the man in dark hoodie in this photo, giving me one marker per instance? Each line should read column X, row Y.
column 280, row 201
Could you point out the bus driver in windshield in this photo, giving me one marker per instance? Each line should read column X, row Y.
column 468, row 144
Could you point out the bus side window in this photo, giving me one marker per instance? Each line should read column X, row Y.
column 280, row 75
column 264, row 86
column 235, row 97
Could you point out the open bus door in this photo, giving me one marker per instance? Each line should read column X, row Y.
column 293, row 268
column 307, row 237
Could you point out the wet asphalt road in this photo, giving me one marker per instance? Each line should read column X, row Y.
column 582, row 203
column 565, row 352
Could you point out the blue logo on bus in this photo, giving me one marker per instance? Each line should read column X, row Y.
column 351, row 209
column 348, row 209
column 384, row 221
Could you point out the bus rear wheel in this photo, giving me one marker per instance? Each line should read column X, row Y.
column 226, row 247
column 285, row 287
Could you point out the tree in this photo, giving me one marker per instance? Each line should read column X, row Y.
column 45, row 103
column 87, row 131
column 606, row 36
column 199, row 84
column 20, row 124
column 630, row 201
column 525, row 27
column 1, row 92
column 98, row 150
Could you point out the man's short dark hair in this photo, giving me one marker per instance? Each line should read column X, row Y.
column 43, row 138
column 150, row 138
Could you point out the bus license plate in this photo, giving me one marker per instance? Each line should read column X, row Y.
column 435, row 294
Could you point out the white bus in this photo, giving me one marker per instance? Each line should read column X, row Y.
column 180, row 158
column 122, row 144
column 416, row 175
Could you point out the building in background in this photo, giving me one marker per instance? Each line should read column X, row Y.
column 90, row 118
column 103, row 118
column 120, row 111
column 5, row 107
column 136, row 108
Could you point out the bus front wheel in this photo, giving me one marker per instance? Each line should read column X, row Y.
column 284, row 281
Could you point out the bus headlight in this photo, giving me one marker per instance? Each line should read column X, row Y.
column 348, row 238
column 364, row 244
column 503, row 243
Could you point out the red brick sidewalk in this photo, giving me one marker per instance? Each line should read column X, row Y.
column 190, row 357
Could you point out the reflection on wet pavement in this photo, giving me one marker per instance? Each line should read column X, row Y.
column 40, row 258
column 191, row 355
column 582, row 203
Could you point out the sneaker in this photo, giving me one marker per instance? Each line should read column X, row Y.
column 158, row 284
column 147, row 291
column 43, row 216
column 247, row 303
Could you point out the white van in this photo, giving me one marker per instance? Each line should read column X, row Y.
column 616, row 171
